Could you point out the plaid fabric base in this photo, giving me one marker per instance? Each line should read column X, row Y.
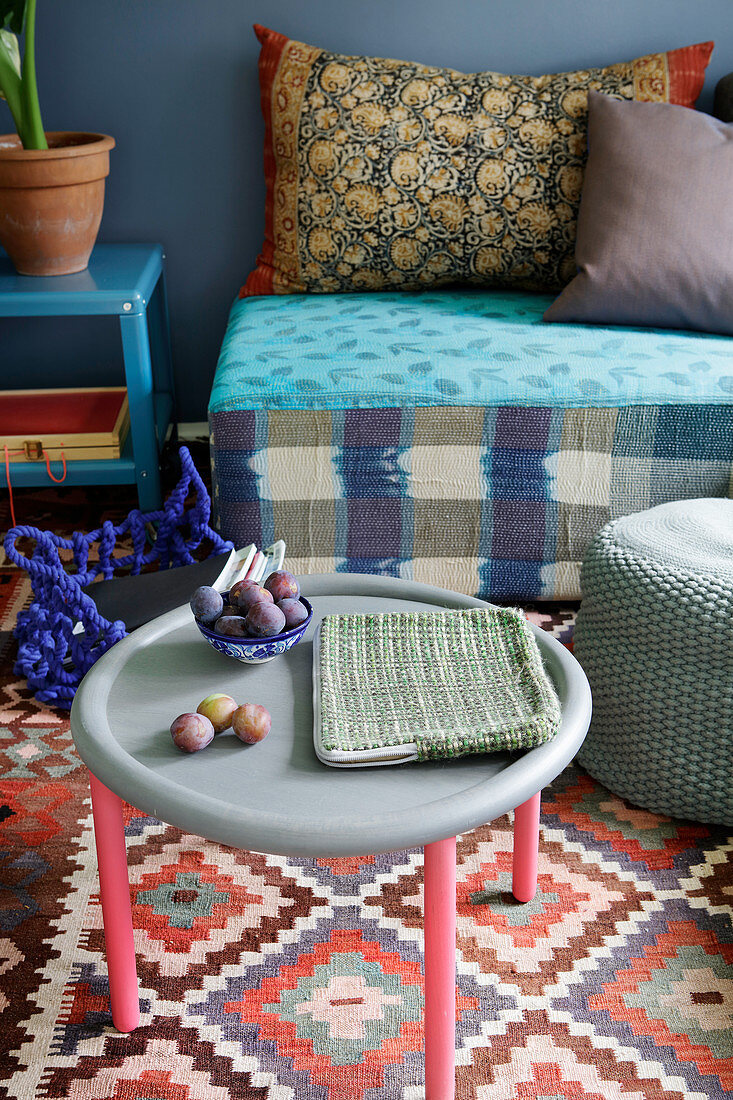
column 496, row 502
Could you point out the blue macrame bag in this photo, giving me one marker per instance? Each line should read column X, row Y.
column 51, row 656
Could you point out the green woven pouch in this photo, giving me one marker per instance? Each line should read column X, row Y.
column 443, row 684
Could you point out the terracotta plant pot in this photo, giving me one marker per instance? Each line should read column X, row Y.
column 51, row 201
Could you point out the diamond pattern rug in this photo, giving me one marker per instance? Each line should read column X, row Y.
column 266, row 978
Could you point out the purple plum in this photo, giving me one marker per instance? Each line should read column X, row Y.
column 282, row 585
column 191, row 732
column 207, row 604
column 231, row 626
column 264, row 620
column 294, row 611
column 244, row 594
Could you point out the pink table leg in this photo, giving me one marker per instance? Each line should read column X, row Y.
column 440, row 969
column 526, row 845
column 114, row 889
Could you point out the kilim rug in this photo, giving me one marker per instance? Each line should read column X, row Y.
column 266, row 978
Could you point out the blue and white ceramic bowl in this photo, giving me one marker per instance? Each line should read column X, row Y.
column 256, row 651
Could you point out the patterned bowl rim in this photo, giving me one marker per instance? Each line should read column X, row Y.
column 247, row 642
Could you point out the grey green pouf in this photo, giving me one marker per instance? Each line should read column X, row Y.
column 655, row 638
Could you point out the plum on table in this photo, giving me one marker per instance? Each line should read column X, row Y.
column 251, row 723
column 191, row 732
column 218, row 708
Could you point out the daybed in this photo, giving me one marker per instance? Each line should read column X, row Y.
column 448, row 435
column 451, row 437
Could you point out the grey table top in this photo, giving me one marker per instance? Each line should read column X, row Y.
column 276, row 796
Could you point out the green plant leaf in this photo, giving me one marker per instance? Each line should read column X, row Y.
column 12, row 15
column 9, row 61
column 9, row 45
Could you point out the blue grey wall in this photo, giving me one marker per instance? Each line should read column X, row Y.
column 175, row 82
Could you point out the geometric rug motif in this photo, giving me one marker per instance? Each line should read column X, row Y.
column 349, row 876
column 708, row 884
column 337, row 1011
column 33, row 813
column 666, row 992
column 193, row 916
column 623, row 833
column 44, row 752
column 162, row 1060
column 270, row 978
column 557, row 621
column 540, row 1058
column 198, row 909
column 576, row 904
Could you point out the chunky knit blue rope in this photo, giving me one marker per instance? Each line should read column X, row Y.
column 50, row 656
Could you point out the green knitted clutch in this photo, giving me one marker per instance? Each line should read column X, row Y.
column 429, row 686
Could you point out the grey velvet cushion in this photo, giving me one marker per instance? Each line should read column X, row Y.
column 655, row 228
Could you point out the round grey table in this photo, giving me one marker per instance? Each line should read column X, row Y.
column 277, row 797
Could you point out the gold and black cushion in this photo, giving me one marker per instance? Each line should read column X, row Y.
column 390, row 174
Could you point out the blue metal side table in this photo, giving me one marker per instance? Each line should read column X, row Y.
column 126, row 281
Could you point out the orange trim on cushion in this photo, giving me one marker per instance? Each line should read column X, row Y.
column 273, row 44
column 673, row 77
column 687, row 72
column 288, row 92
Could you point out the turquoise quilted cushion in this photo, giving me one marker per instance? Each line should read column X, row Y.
column 455, row 347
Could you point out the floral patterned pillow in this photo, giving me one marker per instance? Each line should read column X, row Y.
column 389, row 174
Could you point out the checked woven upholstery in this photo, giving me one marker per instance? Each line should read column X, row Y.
column 655, row 638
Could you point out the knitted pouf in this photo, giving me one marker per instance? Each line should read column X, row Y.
column 655, row 638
